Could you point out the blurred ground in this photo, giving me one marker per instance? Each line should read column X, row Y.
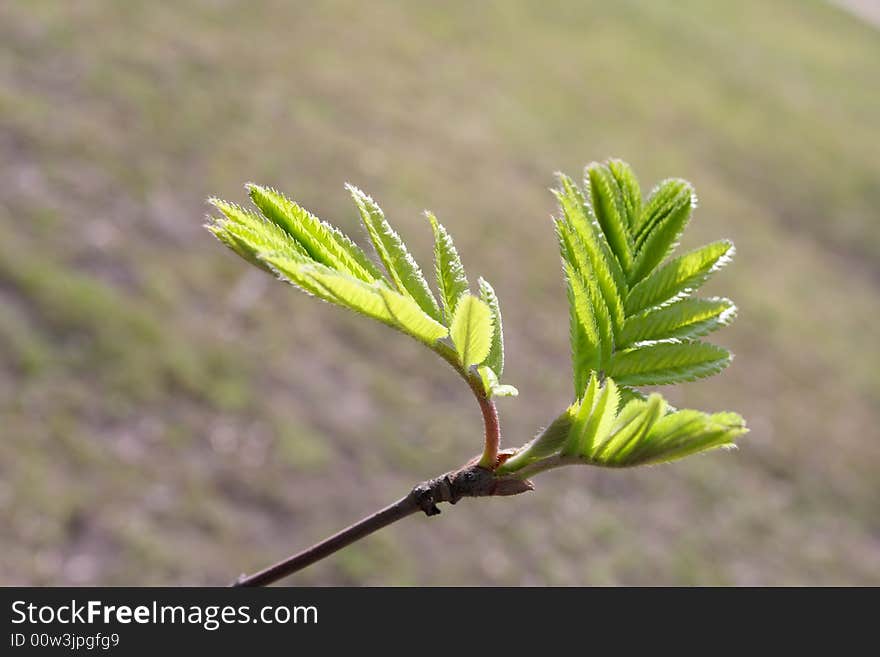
column 169, row 415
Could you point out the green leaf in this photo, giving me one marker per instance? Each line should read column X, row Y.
column 630, row 192
column 590, row 250
column 593, row 432
column 628, row 394
column 631, row 427
column 680, row 276
column 584, row 349
column 374, row 300
column 318, row 280
column 593, row 318
column 451, row 278
column 589, row 299
column 249, row 234
column 491, row 385
column 684, row 433
column 667, row 362
column 495, row 359
column 610, row 212
column 581, row 411
column 296, row 271
column 618, row 302
column 632, row 423
column 488, row 377
column 411, row 319
column 471, row 330
column 661, row 234
column 324, row 243
column 401, row 267
column 602, row 418
column 687, row 318
column 594, row 420
column 664, row 199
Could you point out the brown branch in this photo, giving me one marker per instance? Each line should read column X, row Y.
column 470, row 481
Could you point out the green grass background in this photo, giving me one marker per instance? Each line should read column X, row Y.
column 169, row 415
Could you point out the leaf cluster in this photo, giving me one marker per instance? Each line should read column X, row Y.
column 634, row 321
column 598, row 430
column 285, row 239
column 633, row 315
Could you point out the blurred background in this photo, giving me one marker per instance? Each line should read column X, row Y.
column 171, row 415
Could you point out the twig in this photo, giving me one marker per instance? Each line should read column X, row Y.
column 472, row 480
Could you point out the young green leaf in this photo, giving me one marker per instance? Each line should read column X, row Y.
column 686, row 318
column 329, row 285
column 661, row 235
column 589, row 324
column 495, row 359
column 687, row 432
column 610, row 212
column 584, row 349
column 664, row 199
column 324, row 243
column 679, row 276
column 593, row 431
column 589, row 298
column 601, row 420
column 630, row 432
column 471, row 330
column 488, row 377
column 665, row 362
column 411, row 319
column 630, row 192
column 401, row 267
column 373, row 300
column 579, row 213
column 629, row 423
column 588, row 250
column 252, row 231
column 594, row 420
column 581, row 411
column 505, row 390
column 491, row 385
column 451, row 278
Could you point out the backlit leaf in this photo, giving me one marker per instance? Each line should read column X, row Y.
column 400, row 265
column 451, row 279
column 471, row 330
